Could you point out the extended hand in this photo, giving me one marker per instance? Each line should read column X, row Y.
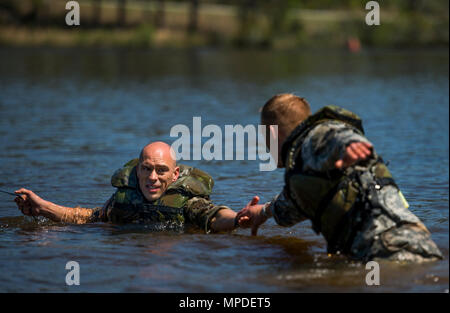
column 355, row 152
column 251, row 215
column 29, row 203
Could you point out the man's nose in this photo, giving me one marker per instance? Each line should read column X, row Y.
column 153, row 176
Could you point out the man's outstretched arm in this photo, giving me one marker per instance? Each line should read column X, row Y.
column 224, row 220
column 333, row 145
column 210, row 217
column 31, row 204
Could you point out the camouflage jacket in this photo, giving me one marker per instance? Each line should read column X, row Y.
column 185, row 201
column 357, row 210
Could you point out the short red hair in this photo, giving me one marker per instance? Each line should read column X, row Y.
column 285, row 110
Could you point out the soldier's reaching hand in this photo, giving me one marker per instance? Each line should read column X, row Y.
column 356, row 151
column 252, row 215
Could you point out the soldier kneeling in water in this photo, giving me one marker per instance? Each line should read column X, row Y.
column 335, row 178
column 151, row 190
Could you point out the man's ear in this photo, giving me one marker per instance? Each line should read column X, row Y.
column 176, row 174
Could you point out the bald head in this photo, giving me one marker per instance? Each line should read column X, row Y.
column 157, row 169
column 159, row 150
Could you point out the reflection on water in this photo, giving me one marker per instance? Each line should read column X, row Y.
column 70, row 118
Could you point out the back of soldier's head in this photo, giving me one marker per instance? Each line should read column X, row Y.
column 286, row 111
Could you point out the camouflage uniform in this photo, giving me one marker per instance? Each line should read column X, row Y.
column 360, row 211
column 186, row 200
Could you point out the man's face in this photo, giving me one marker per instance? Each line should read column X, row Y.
column 155, row 174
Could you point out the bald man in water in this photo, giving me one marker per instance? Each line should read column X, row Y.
column 150, row 190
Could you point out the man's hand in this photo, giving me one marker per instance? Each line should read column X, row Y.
column 356, row 151
column 29, row 203
column 251, row 215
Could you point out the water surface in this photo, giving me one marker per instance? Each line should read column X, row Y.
column 69, row 118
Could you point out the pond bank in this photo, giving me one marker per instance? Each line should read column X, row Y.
column 224, row 26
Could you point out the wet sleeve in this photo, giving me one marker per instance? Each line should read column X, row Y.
column 101, row 214
column 326, row 143
column 79, row 215
column 284, row 211
column 199, row 211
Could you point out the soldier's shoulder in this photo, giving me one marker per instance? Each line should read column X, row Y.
column 125, row 177
column 193, row 181
column 332, row 116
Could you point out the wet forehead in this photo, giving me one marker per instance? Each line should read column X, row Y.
column 157, row 157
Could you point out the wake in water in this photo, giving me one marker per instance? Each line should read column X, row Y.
column 170, row 227
column 26, row 222
column 29, row 223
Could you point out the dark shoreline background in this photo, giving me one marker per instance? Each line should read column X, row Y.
column 270, row 24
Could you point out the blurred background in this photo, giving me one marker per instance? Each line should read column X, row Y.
column 277, row 24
